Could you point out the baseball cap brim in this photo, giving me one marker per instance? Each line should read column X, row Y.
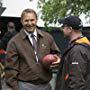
column 72, row 21
column 62, row 22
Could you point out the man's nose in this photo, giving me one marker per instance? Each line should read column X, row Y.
column 29, row 22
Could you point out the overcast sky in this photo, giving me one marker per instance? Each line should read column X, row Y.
column 15, row 7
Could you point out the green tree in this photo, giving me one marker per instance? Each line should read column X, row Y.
column 52, row 10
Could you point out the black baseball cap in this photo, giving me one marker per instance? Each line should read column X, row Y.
column 72, row 21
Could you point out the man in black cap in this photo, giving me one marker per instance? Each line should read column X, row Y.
column 74, row 71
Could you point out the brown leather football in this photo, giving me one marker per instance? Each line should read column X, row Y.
column 49, row 59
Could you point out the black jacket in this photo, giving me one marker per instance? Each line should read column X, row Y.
column 74, row 73
column 5, row 39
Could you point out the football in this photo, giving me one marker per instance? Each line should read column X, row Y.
column 49, row 59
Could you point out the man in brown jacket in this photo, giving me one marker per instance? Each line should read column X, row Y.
column 24, row 68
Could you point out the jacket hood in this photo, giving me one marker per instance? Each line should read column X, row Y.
column 83, row 40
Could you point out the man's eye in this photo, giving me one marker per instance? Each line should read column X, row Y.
column 32, row 20
column 26, row 20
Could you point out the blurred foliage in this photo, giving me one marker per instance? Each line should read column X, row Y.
column 52, row 10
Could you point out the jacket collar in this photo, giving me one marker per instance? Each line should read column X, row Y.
column 24, row 35
column 78, row 41
column 83, row 40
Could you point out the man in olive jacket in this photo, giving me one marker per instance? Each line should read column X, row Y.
column 74, row 73
column 24, row 68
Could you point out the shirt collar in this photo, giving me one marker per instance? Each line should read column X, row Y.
column 24, row 33
column 35, row 33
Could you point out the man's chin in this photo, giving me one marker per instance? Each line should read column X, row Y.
column 66, row 36
column 30, row 30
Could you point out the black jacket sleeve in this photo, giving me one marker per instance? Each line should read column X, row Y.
column 78, row 68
